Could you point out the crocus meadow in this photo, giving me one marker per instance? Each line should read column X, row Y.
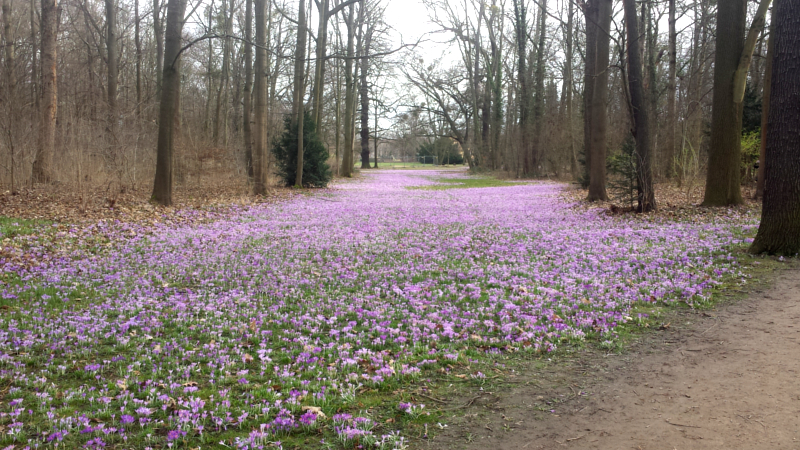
column 252, row 326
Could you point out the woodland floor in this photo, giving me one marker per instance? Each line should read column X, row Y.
column 721, row 379
column 700, row 363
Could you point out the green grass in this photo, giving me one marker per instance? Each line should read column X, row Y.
column 410, row 165
column 465, row 183
column 12, row 226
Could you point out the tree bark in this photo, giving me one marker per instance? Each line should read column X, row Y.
column 723, row 182
column 319, row 68
column 599, row 114
column 43, row 164
column 669, row 145
column 34, row 66
column 170, row 101
column 158, row 33
column 364, row 95
column 590, row 62
column 538, row 96
column 347, row 155
column 247, row 106
column 338, row 105
column 220, row 113
column 375, row 137
column 521, row 29
column 765, row 101
column 10, row 87
column 641, row 123
column 112, row 58
column 779, row 232
column 138, row 44
column 260, row 100
column 8, row 39
column 567, row 88
column 299, row 88
column 495, row 86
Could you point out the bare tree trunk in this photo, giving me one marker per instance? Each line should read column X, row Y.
column 347, row 156
column 640, row 119
column 375, row 137
column 731, row 63
column 34, row 66
column 158, row 33
column 209, row 75
column 138, row 43
column 338, row 109
column 8, row 39
column 260, row 100
column 669, row 154
column 170, row 103
column 477, row 150
column 220, row 116
column 568, row 89
column 651, row 85
column 599, row 114
column 112, row 57
column 248, row 88
column 765, row 105
column 43, row 164
column 590, row 13
column 299, row 88
column 538, row 96
column 364, row 95
column 319, row 69
column 779, row 232
column 10, row 87
column 521, row 28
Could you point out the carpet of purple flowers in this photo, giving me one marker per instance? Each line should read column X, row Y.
column 270, row 321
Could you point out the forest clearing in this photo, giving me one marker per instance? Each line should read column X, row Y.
column 399, row 224
column 334, row 319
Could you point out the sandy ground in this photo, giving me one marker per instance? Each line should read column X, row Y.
column 724, row 379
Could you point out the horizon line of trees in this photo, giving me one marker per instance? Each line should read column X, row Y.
column 107, row 83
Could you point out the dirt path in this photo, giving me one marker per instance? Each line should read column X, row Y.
column 727, row 379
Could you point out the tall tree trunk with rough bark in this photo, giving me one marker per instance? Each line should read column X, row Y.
column 723, row 182
column 723, row 179
column 779, row 232
column 170, row 101
column 319, row 67
column 9, row 87
column 43, row 164
column 112, row 64
column 568, row 88
column 364, row 95
column 731, row 65
column 260, row 101
column 669, row 144
column 597, row 105
column 158, row 34
column 640, row 117
column 347, row 155
column 538, row 96
column 590, row 61
column 299, row 88
column 521, row 30
column 765, row 101
column 8, row 39
column 138, row 44
column 247, row 107
column 35, row 80
column 220, row 110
